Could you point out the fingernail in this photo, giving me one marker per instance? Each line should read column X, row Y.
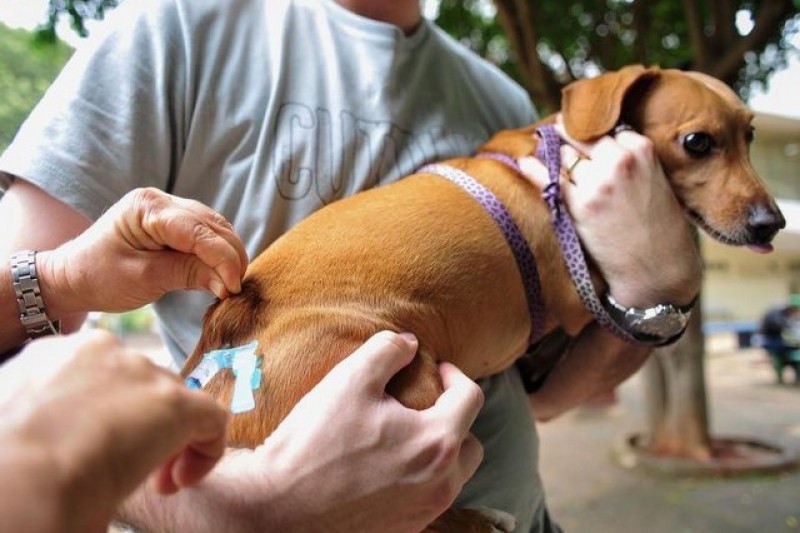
column 217, row 287
column 410, row 337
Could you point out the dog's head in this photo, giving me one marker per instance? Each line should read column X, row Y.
column 701, row 132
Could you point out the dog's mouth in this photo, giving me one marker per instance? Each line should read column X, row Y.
column 755, row 242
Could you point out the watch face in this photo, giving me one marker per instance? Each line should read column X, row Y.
column 660, row 321
column 653, row 325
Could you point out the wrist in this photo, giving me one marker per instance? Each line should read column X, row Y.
column 57, row 287
column 225, row 500
column 145, row 510
column 26, row 277
column 670, row 284
column 674, row 277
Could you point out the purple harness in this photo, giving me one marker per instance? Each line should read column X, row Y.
column 548, row 151
column 522, row 252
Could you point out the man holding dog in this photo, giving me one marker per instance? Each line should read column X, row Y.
column 265, row 111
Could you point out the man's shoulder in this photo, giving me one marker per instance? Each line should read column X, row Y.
column 483, row 75
column 469, row 59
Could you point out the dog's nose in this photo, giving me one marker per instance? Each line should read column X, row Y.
column 764, row 222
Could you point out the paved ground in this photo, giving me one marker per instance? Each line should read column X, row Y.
column 587, row 492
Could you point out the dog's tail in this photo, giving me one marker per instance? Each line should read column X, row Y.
column 229, row 322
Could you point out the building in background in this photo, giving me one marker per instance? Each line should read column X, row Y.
column 740, row 285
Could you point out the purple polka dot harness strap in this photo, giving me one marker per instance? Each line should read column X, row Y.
column 549, row 152
column 522, row 253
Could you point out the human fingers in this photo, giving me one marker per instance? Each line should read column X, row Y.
column 221, row 224
column 201, row 444
column 377, row 360
column 470, row 457
column 167, row 419
column 460, row 403
column 157, row 220
column 461, row 400
column 591, row 149
column 40, row 360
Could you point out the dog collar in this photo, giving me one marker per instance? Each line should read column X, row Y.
column 522, row 253
column 244, row 364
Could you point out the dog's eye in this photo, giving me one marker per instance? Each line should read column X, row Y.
column 698, row 144
column 750, row 135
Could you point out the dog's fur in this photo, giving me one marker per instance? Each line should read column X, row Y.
column 420, row 255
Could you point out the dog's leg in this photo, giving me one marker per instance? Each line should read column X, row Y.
column 418, row 385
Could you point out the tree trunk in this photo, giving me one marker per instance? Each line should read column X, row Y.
column 517, row 19
column 675, row 397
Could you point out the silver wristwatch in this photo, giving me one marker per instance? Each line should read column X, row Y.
column 29, row 296
column 657, row 325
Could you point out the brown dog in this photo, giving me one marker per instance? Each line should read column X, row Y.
column 439, row 267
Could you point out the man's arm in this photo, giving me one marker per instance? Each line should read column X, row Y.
column 595, row 362
column 34, row 220
column 635, row 230
column 146, row 244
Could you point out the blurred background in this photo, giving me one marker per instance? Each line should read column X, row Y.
column 705, row 438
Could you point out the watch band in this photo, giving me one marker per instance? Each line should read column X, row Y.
column 32, row 313
column 659, row 325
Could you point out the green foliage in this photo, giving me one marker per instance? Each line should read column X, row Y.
column 78, row 11
column 27, row 67
column 474, row 24
column 137, row 321
column 577, row 38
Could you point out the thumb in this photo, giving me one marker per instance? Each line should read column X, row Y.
column 376, row 361
column 178, row 270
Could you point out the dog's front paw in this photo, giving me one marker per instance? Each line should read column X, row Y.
column 501, row 521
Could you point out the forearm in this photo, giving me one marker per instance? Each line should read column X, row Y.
column 595, row 362
column 12, row 333
column 148, row 511
column 55, row 223
column 217, row 503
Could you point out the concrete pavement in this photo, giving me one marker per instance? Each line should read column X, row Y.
column 589, row 493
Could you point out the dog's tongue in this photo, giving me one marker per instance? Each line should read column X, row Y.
column 760, row 248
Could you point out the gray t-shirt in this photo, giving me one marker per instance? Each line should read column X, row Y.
column 267, row 111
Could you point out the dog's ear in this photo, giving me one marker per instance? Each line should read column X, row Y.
column 592, row 107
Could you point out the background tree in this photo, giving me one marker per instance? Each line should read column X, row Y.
column 545, row 44
column 77, row 11
column 26, row 70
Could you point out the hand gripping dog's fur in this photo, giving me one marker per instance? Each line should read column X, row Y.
column 421, row 255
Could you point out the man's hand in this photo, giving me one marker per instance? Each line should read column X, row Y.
column 101, row 418
column 628, row 219
column 347, row 458
column 147, row 244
